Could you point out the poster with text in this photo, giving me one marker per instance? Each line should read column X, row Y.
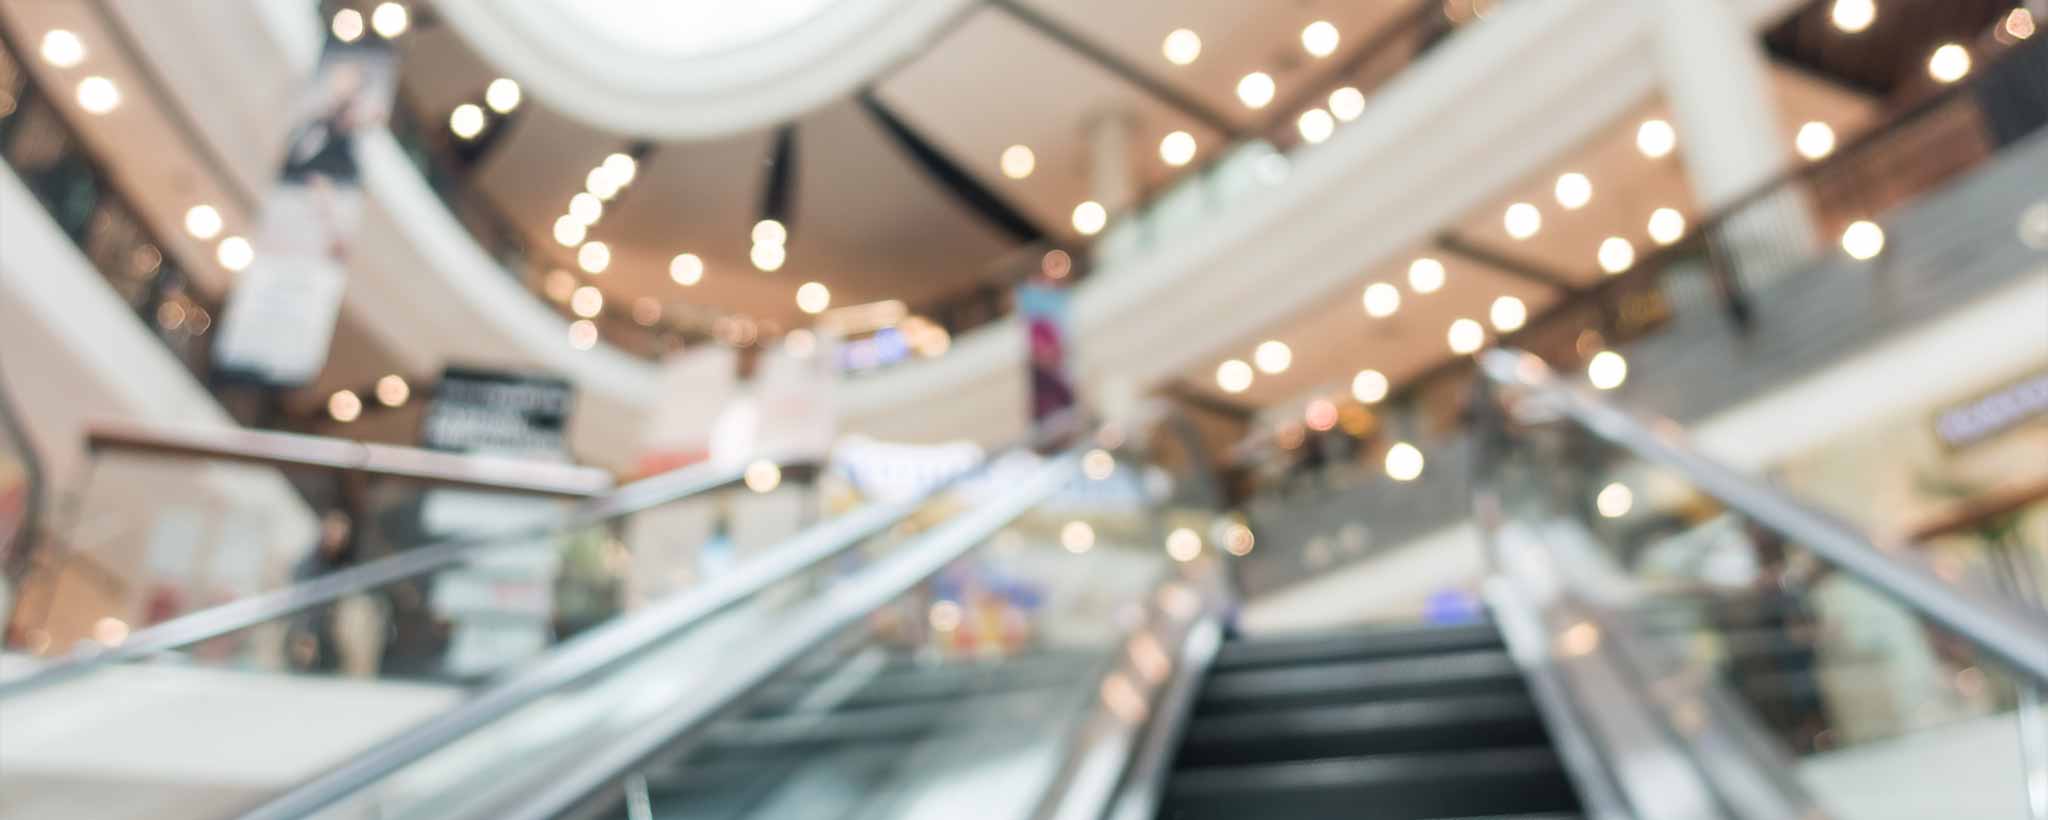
column 1050, row 347
column 281, row 312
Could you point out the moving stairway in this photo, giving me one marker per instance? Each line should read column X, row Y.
column 952, row 656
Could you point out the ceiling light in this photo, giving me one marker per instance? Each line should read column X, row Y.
column 1666, row 226
column 390, row 20
column 1425, row 275
column 768, row 258
column 1853, row 16
column 1018, row 162
column 1522, row 220
column 1656, row 139
column 686, row 269
column 586, row 208
column 2020, row 24
column 1508, row 314
column 1466, row 336
column 1237, row 539
column 1573, row 191
column 594, row 257
column 392, row 390
column 1347, row 103
column 1098, row 464
column 601, row 182
column 763, row 476
column 1404, row 462
column 1863, row 239
column 1184, row 545
column 1089, row 217
column 1320, row 39
column 1614, row 500
column 344, row 406
column 466, row 121
column 1273, row 357
column 582, row 334
column 502, row 95
column 1181, row 47
column 622, row 167
column 1255, row 90
column 813, row 298
column 1077, row 537
column 235, row 253
column 1369, row 386
column 348, row 25
column 1949, row 63
column 1607, row 370
column 1315, row 125
column 569, row 231
column 1814, row 140
column 98, row 95
column 1234, row 376
column 1381, row 300
column 202, row 222
column 1177, row 149
column 587, row 302
column 1616, row 254
column 62, row 48
column 769, row 232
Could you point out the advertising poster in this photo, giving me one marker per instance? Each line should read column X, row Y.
column 280, row 314
column 502, row 603
column 1049, row 342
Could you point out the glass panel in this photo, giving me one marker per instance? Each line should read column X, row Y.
column 1882, row 713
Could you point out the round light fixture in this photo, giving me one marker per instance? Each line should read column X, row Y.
column 1183, row 545
column 1949, row 63
column 622, row 168
column 1666, row 226
column 1614, row 500
column 1018, row 161
column 1369, row 386
column 762, row 476
column 1090, row 217
column 1181, row 46
column 686, row 269
column 235, row 253
column 1466, row 336
column 587, row 302
column 582, row 334
column 768, row 258
column 769, row 232
column 1616, row 255
column 1607, row 370
column 1863, row 240
column 601, row 182
column 1853, row 16
column 1381, row 300
column 1522, row 220
column 1273, row 357
column 1508, row 314
column 1814, row 140
column 392, row 391
column 1347, row 103
column 1656, row 139
column 813, row 298
column 62, row 48
column 202, row 222
column 1573, row 190
column 98, row 95
column 1404, row 462
column 1077, row 537
column 1177, row 149
column 390, row 20
column 1320, row 39
column 1315, row 125
column 344, row 406
column 569, row 231
column 586, row 208
column 348, row 25
column 594, row 257
column 1234, row 376
column 1255, row 90
column 466, row 121
column 1425, row 275
column 502, row 95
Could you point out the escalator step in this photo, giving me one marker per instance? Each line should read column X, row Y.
column 1474, row 722
column 1355, row 645
column 1460, row 673
column 1515, row 782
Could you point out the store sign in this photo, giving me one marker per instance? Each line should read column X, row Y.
column 280, row 316
column 1989, row 415
column 498, row 413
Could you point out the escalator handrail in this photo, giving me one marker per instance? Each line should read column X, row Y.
column 433, row 556
column 2016, row 635
column 625, row 639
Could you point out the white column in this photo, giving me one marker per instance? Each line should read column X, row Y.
column 1717, row 82
column 1112, row 176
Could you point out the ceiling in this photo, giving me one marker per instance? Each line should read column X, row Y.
column 1482, row 262
column 870, row 218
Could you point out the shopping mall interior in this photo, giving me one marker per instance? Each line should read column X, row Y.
column 1402, row 410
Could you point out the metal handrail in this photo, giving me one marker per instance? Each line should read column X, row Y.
column 243, row 613
column 433, row 467
column 2016, row 635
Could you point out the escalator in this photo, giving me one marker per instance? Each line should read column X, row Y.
column 1416, row 722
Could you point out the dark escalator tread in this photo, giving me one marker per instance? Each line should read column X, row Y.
column 1458, row 673
column 902, row 683
column 1474, row 722
column 1465, row 784
column 1356, row 645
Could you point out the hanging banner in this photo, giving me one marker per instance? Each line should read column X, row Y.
column 1047, row 337
column 280, row 315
